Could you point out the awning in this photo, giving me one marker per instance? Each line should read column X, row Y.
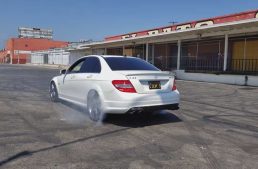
column 231, row 28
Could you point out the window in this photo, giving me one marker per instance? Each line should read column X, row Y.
column 206, row 55
column 91, row 65
column 129, row 63
column 75, row 68
column 115, row 51
column 165, row 56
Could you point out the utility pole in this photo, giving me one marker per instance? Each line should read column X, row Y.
column 173, row 22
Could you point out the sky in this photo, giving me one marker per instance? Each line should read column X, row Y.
column 74, row 20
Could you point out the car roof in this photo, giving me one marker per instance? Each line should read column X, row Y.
column 107, row 56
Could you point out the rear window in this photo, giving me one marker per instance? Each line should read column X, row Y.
column 128, row 63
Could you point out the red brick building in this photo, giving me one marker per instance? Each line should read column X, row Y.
column 17, row 50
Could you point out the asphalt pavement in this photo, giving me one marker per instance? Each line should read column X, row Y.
column 216, row 127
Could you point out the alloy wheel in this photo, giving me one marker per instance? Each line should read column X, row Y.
column 94, row 108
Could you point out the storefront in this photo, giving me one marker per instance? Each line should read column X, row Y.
column 221, row 45
column 243, row 54
column 203, row 55
column 225, row 45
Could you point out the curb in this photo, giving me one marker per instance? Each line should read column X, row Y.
column 48, row 66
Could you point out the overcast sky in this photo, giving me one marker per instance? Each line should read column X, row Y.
column 74, row 20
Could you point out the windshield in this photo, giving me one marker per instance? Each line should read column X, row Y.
column 129, row 63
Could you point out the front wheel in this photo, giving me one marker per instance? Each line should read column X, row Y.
column 53, row 92
column 94, row 107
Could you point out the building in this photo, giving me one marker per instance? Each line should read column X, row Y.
column 35, row 33
column 59, row 56
column 18, row 50
column 204, row 50
column 56, row 56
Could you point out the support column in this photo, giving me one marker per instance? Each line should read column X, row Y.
column 105, row 51
column 123, row 50
column 12, row 51
column 225, row 53
column 152, row 53
column 147, row 52
column 11, row 58
column 178, row 53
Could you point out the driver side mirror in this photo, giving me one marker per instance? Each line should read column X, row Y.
column 62, row 72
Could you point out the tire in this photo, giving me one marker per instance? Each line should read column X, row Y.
column 53, row 92
column 94, row 107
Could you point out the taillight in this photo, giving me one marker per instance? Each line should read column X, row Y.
column 124, row 86
column 174, row 85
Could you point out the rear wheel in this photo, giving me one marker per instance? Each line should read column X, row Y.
column 94, row 107
column 53, row 92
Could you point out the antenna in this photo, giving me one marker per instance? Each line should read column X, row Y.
column 173, row 22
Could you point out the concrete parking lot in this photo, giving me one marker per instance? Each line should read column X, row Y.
column 216, row 127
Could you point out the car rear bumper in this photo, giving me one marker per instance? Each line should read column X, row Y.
column 154, row 108
column 143, row 103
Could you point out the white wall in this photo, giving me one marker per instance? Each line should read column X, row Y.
column 37, row 58
column 76, row 54
column 221, row 78
column 55, row 56
column 58, row 58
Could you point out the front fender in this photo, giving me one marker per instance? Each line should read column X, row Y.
column 57, row 83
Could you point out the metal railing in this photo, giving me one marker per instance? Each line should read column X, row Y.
column 243, row 65
column 235, row 66
column 193, row 64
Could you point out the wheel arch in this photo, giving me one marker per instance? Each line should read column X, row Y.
column 54, row 80
column 97, row 90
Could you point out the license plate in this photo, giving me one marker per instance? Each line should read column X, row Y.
column 154, row 85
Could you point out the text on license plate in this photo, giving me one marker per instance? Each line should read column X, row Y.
column 154, row 85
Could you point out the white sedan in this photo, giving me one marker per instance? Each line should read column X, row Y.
column 115, row 84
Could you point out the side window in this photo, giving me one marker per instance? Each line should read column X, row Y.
column 91, row 65
column 76, row 67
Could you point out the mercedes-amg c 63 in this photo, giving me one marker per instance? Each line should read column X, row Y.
column 115, row 84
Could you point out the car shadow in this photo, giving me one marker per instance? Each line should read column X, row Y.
column 142, row 119
column 133, row 120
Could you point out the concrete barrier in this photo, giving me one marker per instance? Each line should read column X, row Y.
column 220, row 78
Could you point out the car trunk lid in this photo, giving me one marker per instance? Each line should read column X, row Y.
column 150, row 81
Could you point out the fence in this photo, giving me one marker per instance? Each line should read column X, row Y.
column 236, row 66
column 193, row 64
column 243, row 66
